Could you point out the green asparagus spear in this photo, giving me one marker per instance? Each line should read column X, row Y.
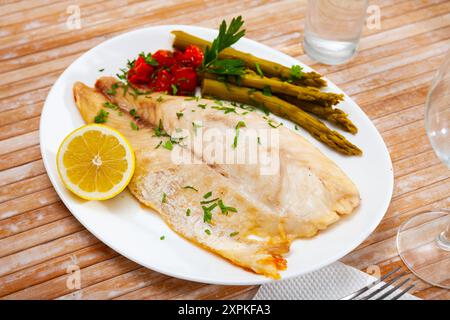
column 312, row 79
column 281, row 108
column 333, row 115
column 252, row 80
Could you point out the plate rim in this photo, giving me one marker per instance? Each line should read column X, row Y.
column 333, row 258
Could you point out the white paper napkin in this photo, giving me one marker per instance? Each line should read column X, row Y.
column 329, row 283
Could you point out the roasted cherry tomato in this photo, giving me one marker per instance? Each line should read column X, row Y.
column 174, row 70
column 185, row 78
column 191, row 57
column 195, row 55
column 180, row 58
column 163, row 81
column 164, row 57
column 141, row 72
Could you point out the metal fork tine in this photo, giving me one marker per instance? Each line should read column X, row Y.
column 371, row 285
column 387, row 284
column 393, row 289
column 403, row 292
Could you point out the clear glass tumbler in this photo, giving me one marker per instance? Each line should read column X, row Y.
column 333, row 29
column 423, row 241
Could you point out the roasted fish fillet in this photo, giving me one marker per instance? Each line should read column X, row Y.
column 176, row 193
column 308, row 192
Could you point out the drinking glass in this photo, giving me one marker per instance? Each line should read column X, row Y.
column 423, row 242
column 333, row 29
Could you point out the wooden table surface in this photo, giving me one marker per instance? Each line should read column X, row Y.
column 39, row 238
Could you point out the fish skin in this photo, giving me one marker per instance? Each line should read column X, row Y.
column 156, row 174
column 310, row 192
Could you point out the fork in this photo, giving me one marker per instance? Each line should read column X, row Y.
column 384, row 291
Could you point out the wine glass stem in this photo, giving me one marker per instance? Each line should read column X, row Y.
column 443, row 239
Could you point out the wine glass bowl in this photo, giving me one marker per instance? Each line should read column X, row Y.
column 437, row 113
column 423, row 241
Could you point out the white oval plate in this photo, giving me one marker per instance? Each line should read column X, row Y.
column 134, row 231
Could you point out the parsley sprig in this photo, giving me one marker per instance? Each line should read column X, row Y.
column 228, row 35
column 229, row 67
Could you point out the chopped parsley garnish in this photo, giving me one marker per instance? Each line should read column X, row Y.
column 148, row 59
column 188, row 212
column 239, row 125
column 272, row 122
column 225, row 209
column 203, row 106
column 125, row 89
column 258, row 70
column 259, row 140
column 267, row 91
column 208, row 201
column 133, row 114
column 113, row 89
column 296, row 72
column 196, row 126
column 196, row 98
column 164, row 198
column 178, row 138
column 179, row 114
column 124, row 75
column 110, row 105
column 160, row 99
column 101, row 70
column 135, row 92
column 207, row 195
column 162, row 238
column 159, row 144
column 208, row 232
column 159, row 131
column 174, row 89
column 296, row 127
column 225, row 109
column 207, row 214
column 130, row 63
column 220, row 103
column 134, row 126
column 233, row 234
column 207, row 211
column 168, row 145
column 190, row 187
column 101, row 116
column 245, row 107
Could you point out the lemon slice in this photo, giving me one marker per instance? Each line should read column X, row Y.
column 95, row 162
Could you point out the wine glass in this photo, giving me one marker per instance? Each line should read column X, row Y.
column 423, row 242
